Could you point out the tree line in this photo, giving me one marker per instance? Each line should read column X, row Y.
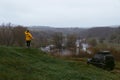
column 12, row 35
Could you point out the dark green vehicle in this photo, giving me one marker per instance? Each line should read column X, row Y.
column 103, row 59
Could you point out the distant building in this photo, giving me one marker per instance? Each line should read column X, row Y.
column 47, row 48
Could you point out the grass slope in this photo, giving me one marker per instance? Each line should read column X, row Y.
column 33, row 64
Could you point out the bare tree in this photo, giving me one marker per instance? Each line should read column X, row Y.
column 12, row 35
column 57, row 40
column 19, row 36
column 71, row 39
column 6, row 35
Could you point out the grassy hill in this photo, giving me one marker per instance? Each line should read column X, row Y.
column 33, row 64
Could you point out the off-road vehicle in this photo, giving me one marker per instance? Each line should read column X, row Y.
column 103, row 59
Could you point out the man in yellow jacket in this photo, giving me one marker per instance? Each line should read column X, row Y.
column 28, row 38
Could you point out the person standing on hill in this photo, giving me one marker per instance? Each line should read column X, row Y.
column 28, row 38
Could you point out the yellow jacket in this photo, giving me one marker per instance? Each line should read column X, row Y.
column 28, row 36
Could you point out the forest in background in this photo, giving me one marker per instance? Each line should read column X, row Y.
column 100, row 38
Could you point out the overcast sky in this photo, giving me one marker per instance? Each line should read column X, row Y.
column 60, row 13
